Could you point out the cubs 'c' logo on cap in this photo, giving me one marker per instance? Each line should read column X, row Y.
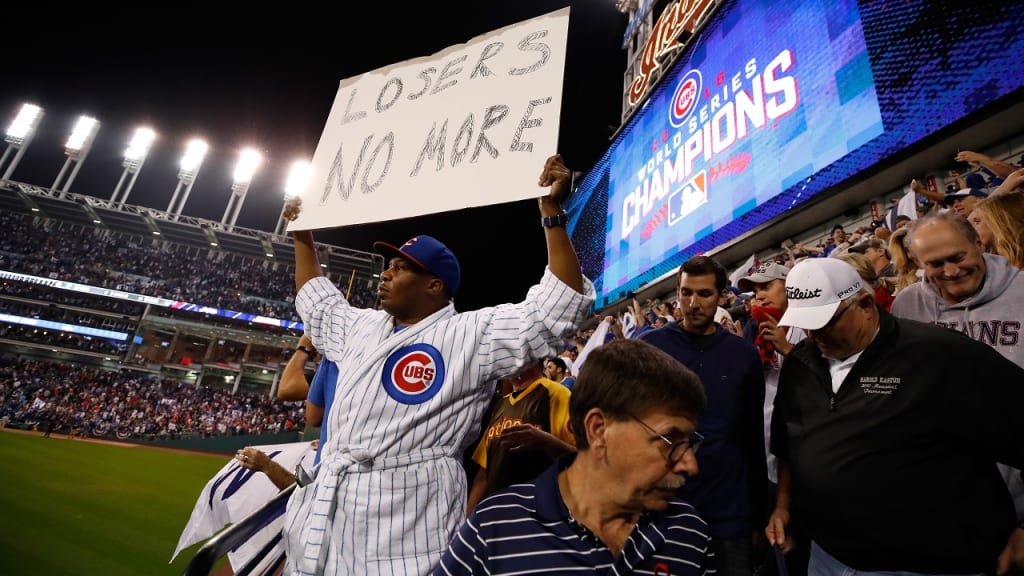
column 685, row 98
column 413, row 374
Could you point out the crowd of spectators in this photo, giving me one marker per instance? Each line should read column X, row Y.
column 129, row 404
column 59, row 339
column 64, row 251
column 70, row 299
column 991, row 189
column 65, row 315
column 125, row 404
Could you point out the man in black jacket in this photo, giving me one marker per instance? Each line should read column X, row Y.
column 887, row 433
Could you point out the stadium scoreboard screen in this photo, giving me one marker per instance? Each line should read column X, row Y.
column 773, row 103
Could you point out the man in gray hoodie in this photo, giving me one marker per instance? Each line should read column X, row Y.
column 979, row 294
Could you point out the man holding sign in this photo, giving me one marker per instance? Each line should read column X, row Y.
column 414, row 380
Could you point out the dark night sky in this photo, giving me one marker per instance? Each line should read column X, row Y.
column 269, row 80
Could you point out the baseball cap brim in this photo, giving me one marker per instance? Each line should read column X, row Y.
column 963, row 193
column 388, row 250
column 746, row 284
column 809, row 318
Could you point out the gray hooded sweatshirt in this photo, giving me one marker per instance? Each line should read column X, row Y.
column 994, row 316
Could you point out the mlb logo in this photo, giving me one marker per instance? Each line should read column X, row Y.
column 684, row 200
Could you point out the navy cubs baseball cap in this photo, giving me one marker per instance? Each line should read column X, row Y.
column 963, row 193
column 430, row 254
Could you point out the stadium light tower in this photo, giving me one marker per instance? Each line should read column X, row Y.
column 76, row 149
column 134, row 157
column 19, row 134
column 248, row 161
column 191, row 162
column 296, row 183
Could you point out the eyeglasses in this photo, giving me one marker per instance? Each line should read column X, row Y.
column 831, row 323
column 676, row 450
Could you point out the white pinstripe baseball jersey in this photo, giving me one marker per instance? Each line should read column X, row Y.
column 390, row 489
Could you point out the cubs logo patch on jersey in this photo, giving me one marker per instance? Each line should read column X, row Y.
column 413, row 374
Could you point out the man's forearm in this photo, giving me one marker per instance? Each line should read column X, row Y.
column 278, row 475
column 782, row 491
column 477, row 491
column 293, row 385
column 307, row 265
column 562, row 258
column 998, row 167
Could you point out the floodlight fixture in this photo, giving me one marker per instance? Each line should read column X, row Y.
column 81, row 137
column 298, row 177
column 134, row 157
column 76, row 149
column 139, row 146
column 24, row 126
column 248, row 161
column 19, row 134
column 195, row 152
column 191, row 162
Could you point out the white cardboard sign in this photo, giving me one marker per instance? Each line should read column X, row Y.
column 468, row 126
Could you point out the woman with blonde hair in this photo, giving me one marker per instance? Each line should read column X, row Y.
column 998, row 221
column 907, row 271
column 863, row 266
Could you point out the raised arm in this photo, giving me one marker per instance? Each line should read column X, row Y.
column 1012, row 183
column 307, row 265
column 997, row 167
column 809, row 249
column 293, row 385
column 933, row 195
column 562, row 259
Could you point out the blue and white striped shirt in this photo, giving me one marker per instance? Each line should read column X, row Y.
column 526, row 529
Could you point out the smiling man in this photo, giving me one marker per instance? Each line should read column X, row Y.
column 978, row 294
column 614, row 506
column 964, row 288
column 888, row 433
column 730, row 491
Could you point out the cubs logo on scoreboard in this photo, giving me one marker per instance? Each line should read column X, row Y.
column 413, row 374
column 685, row 98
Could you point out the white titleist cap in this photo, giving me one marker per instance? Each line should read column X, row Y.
column 815, row 287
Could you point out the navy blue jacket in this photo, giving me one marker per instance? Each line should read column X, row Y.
column 728, row 490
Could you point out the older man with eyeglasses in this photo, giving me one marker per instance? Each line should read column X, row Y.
column 887, row 433
column 612, row 507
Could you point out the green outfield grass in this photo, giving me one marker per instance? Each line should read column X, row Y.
column 81, row 508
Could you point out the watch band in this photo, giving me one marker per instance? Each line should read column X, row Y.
column 309, row 352
column 556, row 220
